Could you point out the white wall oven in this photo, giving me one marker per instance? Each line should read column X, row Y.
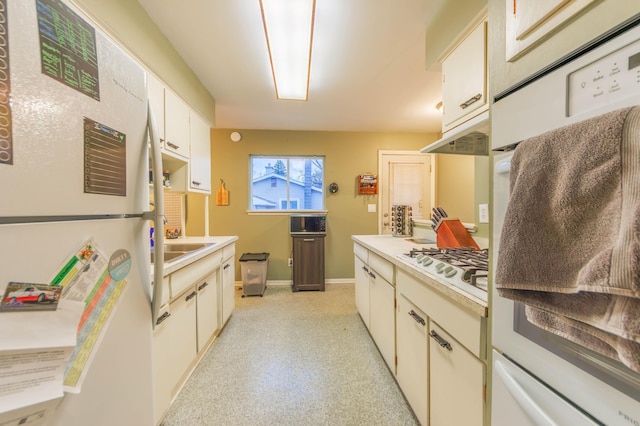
column 564, row 292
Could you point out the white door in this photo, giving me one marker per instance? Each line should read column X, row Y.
column 405, row 177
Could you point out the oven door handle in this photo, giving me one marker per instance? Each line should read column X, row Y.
column 537, row 414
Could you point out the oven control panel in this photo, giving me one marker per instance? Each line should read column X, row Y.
column 605, row 81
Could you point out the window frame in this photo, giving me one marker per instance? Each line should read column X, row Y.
column 288, row 200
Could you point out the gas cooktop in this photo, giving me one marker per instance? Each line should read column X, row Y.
column 464, row 268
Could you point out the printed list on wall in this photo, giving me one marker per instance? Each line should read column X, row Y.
column 6, row 139
column 68, row 47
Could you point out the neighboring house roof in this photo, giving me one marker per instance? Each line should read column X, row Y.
column 262, row 202
column 284, row 179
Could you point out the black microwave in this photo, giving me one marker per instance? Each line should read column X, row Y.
column 300, row 224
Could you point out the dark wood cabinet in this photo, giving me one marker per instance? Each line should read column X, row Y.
column 308, row 262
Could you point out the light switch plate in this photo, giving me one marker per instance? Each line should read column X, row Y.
column 371, row 208
column 483, row 213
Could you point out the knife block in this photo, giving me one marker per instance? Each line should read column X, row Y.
column 451, row 233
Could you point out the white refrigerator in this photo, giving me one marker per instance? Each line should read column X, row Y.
column 74, row 166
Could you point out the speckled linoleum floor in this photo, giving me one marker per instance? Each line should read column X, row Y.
column 288, row 358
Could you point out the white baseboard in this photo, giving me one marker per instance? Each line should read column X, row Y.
column 283, row 283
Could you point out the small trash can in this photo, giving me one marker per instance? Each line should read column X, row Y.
column 254, row 273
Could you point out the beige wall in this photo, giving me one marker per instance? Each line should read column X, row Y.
column 127, row 23
column 347, row 154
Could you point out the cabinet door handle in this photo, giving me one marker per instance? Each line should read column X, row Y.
column 226, row 266
column 195, row 183
column 308, row 240
column 203, row 285
column 417, row 317
column 190, row 296
column 442, row 342
column 365, row 269
column 471, row 100
column 163, row 317
column 372, row 275
column 173, row 145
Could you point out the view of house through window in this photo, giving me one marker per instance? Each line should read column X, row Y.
column 286, row 183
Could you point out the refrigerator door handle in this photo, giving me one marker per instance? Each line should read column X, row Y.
column 156, row 214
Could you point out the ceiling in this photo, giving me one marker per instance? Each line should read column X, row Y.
column 367, row 66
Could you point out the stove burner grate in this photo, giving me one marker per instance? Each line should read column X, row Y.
column 474, row 263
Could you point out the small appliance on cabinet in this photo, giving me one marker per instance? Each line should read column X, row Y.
column 308, row 232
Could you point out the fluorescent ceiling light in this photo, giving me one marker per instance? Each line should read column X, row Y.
column 288, row 26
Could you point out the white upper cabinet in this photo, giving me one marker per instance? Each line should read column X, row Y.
column 155, row 91
column 464, row 79
column 200, row 160
column 528, row 22
column 176, row 123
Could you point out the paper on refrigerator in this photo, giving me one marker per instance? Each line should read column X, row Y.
column 34, row 349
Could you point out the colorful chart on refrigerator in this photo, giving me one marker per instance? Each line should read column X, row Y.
column 86, row 278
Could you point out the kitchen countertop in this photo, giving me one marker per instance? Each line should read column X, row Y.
column 390, row 248
column 217, row 243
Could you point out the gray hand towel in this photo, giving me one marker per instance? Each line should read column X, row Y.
column 613, row 314
column 607, row 344
column 573, row 219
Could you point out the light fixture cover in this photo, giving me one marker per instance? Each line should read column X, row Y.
column 288, row 27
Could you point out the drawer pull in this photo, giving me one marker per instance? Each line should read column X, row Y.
column 471, row 100
column 163, row 317
column 226, row 266
column 190, row 296
column 440, row 340
column 203, row 285
column 308, row 240
column 173, row 145
column 195, row 183
column 417, row 317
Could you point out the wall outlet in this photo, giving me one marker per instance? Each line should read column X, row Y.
column 290, row 261
column 483, row 213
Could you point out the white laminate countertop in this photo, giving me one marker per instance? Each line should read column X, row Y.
column 390, row 248
column 216, row 243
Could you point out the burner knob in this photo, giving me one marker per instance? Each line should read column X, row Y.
column 449, row 271
column 427, row 261
column 439, row 267
column 420, row 257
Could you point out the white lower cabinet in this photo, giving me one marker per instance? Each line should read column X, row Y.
column 456, row 379
column 382, row 317
column 362, row 289
column 375, row 300
column 201, row 301
column 440, row 348
column 411, row 368
column 228, row 273
column 174, row 348
column 207, row 309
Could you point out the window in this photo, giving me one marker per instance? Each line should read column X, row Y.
column 286, row 183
